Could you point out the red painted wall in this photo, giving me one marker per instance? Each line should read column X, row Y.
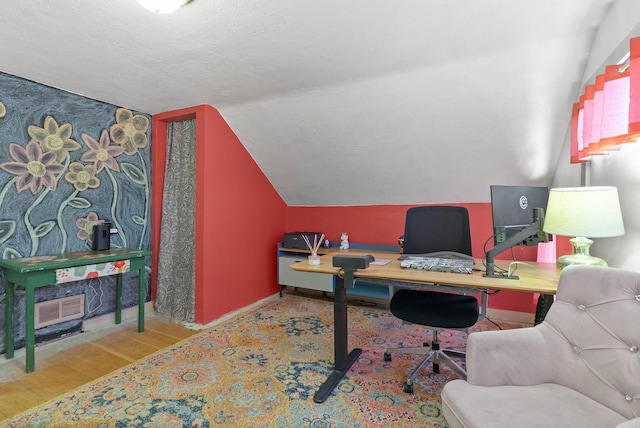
column 239, row 216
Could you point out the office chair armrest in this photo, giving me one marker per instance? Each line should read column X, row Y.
column 507, row 357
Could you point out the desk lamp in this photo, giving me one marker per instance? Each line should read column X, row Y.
column 583, row 212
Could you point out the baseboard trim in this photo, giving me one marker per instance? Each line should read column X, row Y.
column 230, row 315
column 102, row 321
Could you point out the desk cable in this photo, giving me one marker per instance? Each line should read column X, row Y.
column 511, row 270
column 516, row 263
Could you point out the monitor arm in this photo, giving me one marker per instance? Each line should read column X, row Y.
column 534, row 229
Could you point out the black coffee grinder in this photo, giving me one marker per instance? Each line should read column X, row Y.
column 102, row 236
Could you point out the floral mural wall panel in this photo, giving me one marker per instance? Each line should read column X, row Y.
column 39, row 169
column 68, row 162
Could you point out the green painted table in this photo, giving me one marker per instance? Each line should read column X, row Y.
column 41, row 271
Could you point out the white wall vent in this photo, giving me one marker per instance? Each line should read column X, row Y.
column 59, row 310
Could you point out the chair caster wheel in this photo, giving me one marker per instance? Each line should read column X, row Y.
column 408, row 388
column 387, row 356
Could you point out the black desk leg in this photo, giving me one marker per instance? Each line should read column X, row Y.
column 544, row 303
column 342, row 357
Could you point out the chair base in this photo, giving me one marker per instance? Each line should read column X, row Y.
column 436, row 355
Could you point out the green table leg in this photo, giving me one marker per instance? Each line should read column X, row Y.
column 141, row 295
column 8, row 320
column 118, row 298
column 30, row 327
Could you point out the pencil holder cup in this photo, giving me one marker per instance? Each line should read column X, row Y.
column 314, row 260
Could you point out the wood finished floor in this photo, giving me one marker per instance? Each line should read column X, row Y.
column 74, row 361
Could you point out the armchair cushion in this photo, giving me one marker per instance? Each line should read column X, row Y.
column 543, row 405
column 580, row 367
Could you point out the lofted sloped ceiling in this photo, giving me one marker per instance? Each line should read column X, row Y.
column 340, row 102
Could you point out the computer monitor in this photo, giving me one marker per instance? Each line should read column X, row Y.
column 513, row 209
column 518, row 218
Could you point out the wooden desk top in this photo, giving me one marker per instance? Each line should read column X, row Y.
column 534, row 277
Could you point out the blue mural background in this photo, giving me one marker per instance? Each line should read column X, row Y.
column 66, row 162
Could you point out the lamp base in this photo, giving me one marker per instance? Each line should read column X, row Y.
column 580, row 254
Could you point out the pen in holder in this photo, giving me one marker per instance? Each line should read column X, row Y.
column 314, row 258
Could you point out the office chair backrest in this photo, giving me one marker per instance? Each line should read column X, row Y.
column 437, row 228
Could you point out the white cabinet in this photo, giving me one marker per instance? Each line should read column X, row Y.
column 292, row 278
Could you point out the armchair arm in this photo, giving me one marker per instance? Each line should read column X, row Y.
column 631, row 423
column 508, row 357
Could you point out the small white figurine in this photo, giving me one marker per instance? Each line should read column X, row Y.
column 344, row 241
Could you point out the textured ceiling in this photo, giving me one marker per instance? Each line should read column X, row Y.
column 340, row 102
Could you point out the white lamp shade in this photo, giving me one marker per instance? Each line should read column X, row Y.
column 592, row 212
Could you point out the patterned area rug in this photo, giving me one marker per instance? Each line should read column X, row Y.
column 261, row 369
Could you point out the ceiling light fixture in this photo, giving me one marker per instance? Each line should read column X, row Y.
column 163, row 6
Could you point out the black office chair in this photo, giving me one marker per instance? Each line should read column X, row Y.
column 431, row 229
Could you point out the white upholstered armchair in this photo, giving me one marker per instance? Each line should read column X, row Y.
column 578, row 368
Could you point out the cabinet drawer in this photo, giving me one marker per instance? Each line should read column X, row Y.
column 290, row 277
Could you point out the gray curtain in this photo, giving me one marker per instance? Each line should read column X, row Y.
column 175, row 297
